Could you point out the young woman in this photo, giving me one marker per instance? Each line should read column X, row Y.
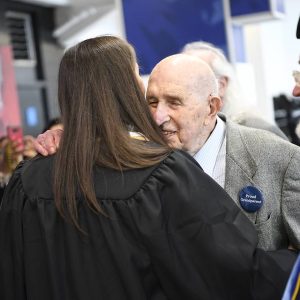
column 112, row 216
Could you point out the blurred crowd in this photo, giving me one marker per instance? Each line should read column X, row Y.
column 13, row 150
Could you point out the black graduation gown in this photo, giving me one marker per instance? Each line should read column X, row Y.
column 171, row 233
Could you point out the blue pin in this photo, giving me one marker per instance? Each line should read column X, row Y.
column 251, row 199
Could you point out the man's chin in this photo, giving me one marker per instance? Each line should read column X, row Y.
column 174, row 144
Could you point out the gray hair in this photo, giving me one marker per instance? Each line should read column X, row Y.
column 209, row 81
column 221, row 67
column 212, row 84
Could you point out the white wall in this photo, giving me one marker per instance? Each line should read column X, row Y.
column 109, row 24
column 273, row 51
column 291, row 44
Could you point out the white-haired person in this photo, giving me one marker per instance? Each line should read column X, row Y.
column 230, row 92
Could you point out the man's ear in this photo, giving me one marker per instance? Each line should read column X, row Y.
column 215, row 105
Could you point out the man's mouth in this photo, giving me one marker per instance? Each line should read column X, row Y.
column 168, row 132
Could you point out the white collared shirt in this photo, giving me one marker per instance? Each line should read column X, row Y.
column 211, row 156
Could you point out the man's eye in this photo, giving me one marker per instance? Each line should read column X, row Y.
column 152, row 103
column 175, row 103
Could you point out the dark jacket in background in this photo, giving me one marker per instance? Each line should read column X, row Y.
column 171, row 233
column 1, row 193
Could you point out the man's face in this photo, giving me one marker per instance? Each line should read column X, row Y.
column 181, row 111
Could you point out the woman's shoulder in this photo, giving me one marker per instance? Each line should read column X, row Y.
column 177, row 166
column 36, row 175
column 180, row 163
column 114, row 185
column 181, row 158
column 24, row 182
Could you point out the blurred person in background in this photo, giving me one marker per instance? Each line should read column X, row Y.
column 11, row 153
column 5, row 171
column 115, row 217
column 29, row 150
column 54, row 123
column 296, row 75
column 18, row 151
column 292, row 290
column 233, row 105
column 296, row 93
column 296, row 90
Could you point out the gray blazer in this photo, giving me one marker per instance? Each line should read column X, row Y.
column 258, row 158
column 259, row 123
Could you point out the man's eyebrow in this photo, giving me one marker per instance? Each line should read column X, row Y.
column 173, row 97
column 150, row 96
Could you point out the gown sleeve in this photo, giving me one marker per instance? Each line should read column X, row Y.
column 200, row 243
column 12, row 282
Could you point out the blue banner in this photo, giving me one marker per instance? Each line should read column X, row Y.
column 159, row 28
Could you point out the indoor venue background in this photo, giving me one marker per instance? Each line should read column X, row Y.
column 258, row 36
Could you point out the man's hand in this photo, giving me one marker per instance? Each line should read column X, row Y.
column 48, row 142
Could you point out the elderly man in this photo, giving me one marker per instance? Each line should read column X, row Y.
column 229, row 90
column 260, row 171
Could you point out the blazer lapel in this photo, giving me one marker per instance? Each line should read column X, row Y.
column 240, row 165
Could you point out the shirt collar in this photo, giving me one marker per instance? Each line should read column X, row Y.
column 207, row 155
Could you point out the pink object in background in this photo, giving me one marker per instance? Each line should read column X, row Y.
column 9, row 102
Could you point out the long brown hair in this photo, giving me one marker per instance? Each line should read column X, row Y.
column 100, row 99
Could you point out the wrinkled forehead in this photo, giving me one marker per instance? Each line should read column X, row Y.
column 168, row 92
column 163, row 86
column 183, row 75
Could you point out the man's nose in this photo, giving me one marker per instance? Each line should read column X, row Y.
column 161, row 115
